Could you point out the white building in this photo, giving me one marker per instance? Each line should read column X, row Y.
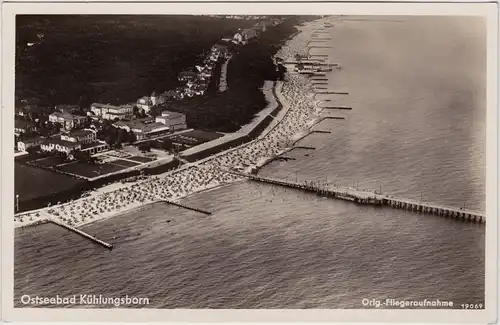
column 24, row 145
column 56, row 144
column 67, row 120
column 147, row 102
column 81, row 136
column 144, row 128
column 111, row 112
column 175, row 121
column 84, row 140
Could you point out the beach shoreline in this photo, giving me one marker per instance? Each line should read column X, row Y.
column 294, row 118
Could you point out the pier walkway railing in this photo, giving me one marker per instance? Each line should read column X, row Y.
column 372, row 198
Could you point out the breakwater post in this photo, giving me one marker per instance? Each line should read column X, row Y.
column 84, row 234
column 304, row 147
column 180, row 205
column 337, row 107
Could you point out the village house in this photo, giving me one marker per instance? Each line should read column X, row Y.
column 21, row 126
column 146, row 103
column 111, row 112
column 57, row 144
column 243, row 36
column 187, row 76
column 175, row 121
column 249, row 34
column 25, row 144
column 143, row 129
column 67, row 108
column 82, row 136
column 67, row 120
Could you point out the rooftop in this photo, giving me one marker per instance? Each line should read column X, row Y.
column 92, row 144
column 99, row 105
column 67, row 106
column 32, row 139
column 61, row 142
column 171, row 115
column 146, row 124
column 80, row 133
column 66, row 115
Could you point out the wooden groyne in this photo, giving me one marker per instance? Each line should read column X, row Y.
column 312, row 63
column 285, row 158
column 181, row 205
column 304, row 147
column 333, row 118
column 332, row 93
column 337, row 107
column 82, row 233
column 318, row 40
column 371, row 198
column 321, row 131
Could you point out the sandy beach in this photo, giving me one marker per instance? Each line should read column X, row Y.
column 293, row 122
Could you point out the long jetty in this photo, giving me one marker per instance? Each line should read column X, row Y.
column 82, row 233
column 372, row 198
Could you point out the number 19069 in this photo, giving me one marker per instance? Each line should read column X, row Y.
column 471, row 306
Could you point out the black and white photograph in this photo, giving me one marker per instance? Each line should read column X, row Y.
column 250, row 161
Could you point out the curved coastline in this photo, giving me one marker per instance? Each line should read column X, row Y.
column 290, row 122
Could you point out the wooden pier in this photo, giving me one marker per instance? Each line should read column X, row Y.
column 82, row 233
column 375, row 199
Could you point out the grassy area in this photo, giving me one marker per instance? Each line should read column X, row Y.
column 49, row 161
column 91, row 171
column 31, row 182
column 140, row 159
